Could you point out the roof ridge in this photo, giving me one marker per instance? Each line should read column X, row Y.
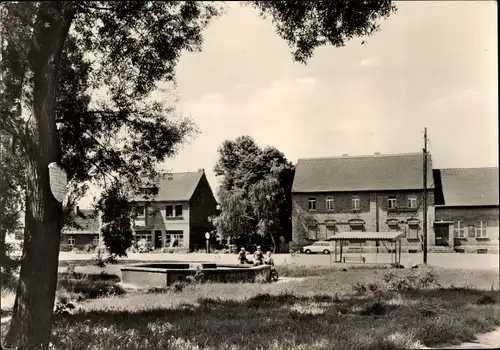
column 364, row 156
column 181, row 172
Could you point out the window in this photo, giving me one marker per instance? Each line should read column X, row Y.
column 149, row 191
column 146, row 236
column 412, row 202
column 459, row 230
column 95, row 241
column 169, row 211
column 174, row 239
column 178, row 210
column 312, row 232
column 481, row 229
column 412, row 232
column 140, row 212
column 329, row 203
column 391, row 202
column 71, row 240
column 312, row 203
column 355, row 203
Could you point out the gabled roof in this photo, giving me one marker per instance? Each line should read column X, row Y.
column 470, row 187
column 175, row 186
column 362, row 173
column 88, row 221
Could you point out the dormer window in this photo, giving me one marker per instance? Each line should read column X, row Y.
column 140, row 212
column 149, row 191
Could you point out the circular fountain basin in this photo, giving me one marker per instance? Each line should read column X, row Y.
column 165, row 273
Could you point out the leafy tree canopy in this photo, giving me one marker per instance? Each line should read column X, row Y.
column 255, row 191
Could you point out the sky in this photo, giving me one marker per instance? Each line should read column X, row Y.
column 432, row 64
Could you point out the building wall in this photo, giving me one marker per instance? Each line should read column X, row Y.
column 157, row 220
column 373, row 210
column 203, row 205
column 471, row 216
column 81, row 239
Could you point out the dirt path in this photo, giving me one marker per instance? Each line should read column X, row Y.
column 490, row 340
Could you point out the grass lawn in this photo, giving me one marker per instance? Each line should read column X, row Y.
column 353, row 309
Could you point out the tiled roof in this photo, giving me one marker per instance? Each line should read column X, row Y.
column 385, row 236
column 470, row 187
column 176, row 186
column 362, row 173
column 87, row 220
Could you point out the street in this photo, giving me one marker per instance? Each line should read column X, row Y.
column 446, row 260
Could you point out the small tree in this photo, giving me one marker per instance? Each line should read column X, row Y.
column 116, row 222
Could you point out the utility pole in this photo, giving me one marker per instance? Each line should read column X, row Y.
column 425, row 197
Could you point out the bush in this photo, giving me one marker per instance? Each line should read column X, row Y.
column 359, row 288
column 88, row 287
column 376, row 308
column 485, row 299
column 178, row 286
column 66, row 248
column 395, row 282
column 63, row 306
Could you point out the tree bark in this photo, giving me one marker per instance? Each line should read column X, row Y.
column 31, row 322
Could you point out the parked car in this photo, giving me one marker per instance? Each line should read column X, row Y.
column 319, row 247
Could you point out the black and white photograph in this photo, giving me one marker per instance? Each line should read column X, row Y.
column 205, row 175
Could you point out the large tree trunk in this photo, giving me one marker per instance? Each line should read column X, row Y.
column 31, row 323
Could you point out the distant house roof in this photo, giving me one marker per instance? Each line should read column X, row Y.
column 175, row 186
column 470, row 187
column 87, row 220
column 362, row 173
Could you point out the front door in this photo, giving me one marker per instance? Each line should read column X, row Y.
column 441, row 235
column 158, row 240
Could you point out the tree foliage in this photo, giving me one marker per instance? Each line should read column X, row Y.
column 11, row 190
column 116, row 222
column 253, row 195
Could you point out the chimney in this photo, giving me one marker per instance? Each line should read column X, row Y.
column 377, row 153
column 345, row 155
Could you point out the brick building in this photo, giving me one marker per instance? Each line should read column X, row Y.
column 86, row 231
column 467, row 209
column 177, row 213
column 376, row 193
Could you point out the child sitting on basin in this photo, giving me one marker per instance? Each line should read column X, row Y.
column 242, row 257
column 268, row 259
column 258, row 256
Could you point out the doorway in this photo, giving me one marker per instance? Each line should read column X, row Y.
column 158, row 240
column 441, row 235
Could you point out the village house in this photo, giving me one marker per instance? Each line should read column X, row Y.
column 175, row 212
column 467, row 209
column 86, row 232
column 375, row 193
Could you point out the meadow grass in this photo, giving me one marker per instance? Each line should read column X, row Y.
column 350, row 308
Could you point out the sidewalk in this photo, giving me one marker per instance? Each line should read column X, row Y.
column 490, row 340
column 446, row 260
